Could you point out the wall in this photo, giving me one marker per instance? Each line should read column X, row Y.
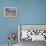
column 29, row 12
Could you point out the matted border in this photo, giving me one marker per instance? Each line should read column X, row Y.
column 10, row 16
column 18, row 29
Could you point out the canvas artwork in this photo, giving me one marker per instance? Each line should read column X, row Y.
column 10, row 11
column 33, row 32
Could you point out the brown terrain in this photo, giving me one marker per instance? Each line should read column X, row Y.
column 10, row 14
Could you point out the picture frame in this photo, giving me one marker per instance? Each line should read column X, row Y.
column 10, row 11
column 39, row 28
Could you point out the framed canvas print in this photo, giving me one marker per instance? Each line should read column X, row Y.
column 10, row 11
column 32, row 32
